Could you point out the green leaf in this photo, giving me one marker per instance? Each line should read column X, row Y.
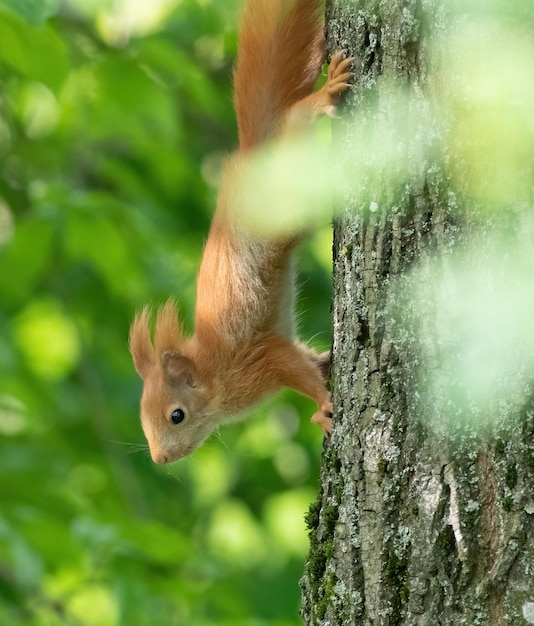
column 33, row 11
column 27, row 565
column 111, row 258
column 24, row 260
column 157, row 541
column 36, row 52
column 47, row 338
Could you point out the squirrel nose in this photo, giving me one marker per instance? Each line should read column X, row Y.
column 160, row 457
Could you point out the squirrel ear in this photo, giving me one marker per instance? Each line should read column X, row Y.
column 141, row 347
column 178, row 368
column 168, row 335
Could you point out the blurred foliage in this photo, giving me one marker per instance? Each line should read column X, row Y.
column 114, row 115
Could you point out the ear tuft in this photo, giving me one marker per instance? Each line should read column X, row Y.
column 169, row 336
column 141, row 348
column 178, row 369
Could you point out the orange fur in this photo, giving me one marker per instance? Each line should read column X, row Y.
column 281, row 49
column 243, row 346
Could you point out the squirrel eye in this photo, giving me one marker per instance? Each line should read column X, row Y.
column 177, row 416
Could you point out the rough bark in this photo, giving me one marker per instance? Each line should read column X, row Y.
column 419, row 520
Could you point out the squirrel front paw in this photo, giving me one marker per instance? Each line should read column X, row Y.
column 338, row 80
column 323, row 417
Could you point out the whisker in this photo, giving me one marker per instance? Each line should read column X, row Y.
column 128, row 443
column 320, row 333
column 133, row 450
column 132, row 447
column 219, row 437
column 173, row 475
column 231, row 451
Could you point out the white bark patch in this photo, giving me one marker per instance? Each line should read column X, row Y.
column 454, row 511
column 428, row 487
column 528, row 612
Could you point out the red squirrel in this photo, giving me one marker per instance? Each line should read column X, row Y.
column 243, row 347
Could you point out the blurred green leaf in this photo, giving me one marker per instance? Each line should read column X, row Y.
column 96, row 605
column 24, row 260
column 37, row 52
column 47, row 338
column 33, row 11
column 156, row 542
column 26, row 564
column 100, row 243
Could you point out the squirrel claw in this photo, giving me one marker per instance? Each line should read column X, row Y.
column 339, row 80
column 323, row 417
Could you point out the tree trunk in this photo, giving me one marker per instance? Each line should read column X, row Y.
column 424, row 515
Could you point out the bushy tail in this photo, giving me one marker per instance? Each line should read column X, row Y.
column 281, row 49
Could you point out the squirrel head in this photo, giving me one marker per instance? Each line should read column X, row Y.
column 175, row 412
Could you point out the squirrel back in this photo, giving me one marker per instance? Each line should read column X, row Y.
column 278, row 41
